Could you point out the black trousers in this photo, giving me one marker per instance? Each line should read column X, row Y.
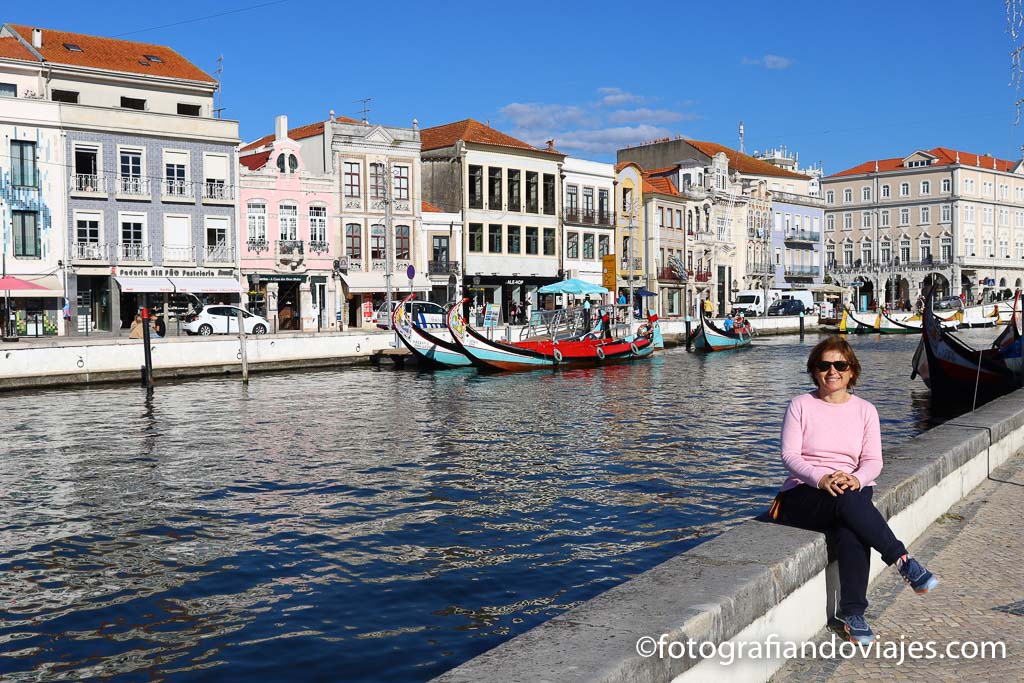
column 856, row 527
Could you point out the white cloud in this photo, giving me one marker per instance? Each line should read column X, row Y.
column 607, row 140
column 532, row 115
column 644, row 115
column 617, row 97
column 770, row 62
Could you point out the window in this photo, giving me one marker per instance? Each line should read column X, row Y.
column 8, row 90
column 926, row 215
column 217, row 237
column 1020, row 249
column 352, row 179
column 1004, row 249
column 571, row 201
column 318, row 224
column 175, row 174
column 925, row 246
column 968, row 214
column 988, row 214
column 603, row 245
column 969, row 245
column 830, row 222
column 514, row 201
column 188, row 109
column 926, row 187
column 830, row 197
column 661, row 217
column 23, row 164
column 256, row 221
column 287, row 162
column 988, row 250
column 132, row 233
column 865, row 219
column 946, row 245
column 532, row 241
column 987, row 188
column 588, row 246
column 1004, row 217
column 865, row 194
column 549, row 241
column 848, row 253
column 847, row 221
column 627, row 200
column 905, row 250
column 886, row 192
column 494, row 189
column 884, row 218
column 904, row 216
column 494, row 239
column 377, row 180
column 402, row 182
column 588, row 204
column 904, row 189
column 549, row 194
column 847, row 196
column 133, row 103
column 71, row 47
column 572, row 245
column 378, row 243
column 603, row 209
column 476, row 187
column 403, row 250
column 947, row 213
column 131, row 180
column 968, row 185
column 515, row 234
column 215, row 176
column 885, row 251
column 532, row 192
column 865, row 252
column 476, row 237
column 947, row 185
column 87, row 228
column 153, row 58
column 288, row 221
column 65, row 96
column 917, row 163
column 354, row 242
column 26, row 234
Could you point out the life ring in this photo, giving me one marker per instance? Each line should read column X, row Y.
column 558, row 356
column 633, row 348
column 600, row 353
column 644, row 330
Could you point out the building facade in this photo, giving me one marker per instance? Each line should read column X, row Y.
column 587, row 219
column 941, row 216
column 509, row 194
column 442, row 242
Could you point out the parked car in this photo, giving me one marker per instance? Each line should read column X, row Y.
column 948, row 303
column 787, row 307
column 220, row 319
column 424, row 314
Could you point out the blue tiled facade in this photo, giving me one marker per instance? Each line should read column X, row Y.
column 788, row 241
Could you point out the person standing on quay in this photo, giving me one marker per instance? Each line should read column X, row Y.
column 832, row 447
column 709, row 307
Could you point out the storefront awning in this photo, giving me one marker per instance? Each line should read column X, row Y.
column 52, row 285
column 206, row 285
column 365, row 283
column 145, row 284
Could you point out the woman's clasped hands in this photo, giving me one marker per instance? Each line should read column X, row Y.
column 838, row 483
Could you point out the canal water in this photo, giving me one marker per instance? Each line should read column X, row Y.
column 371, row 524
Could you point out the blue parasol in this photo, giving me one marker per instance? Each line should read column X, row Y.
column 572, row 286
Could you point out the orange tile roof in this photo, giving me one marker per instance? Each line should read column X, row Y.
column 255, row 162
column 943, row 157
column 430, row 208
column 660, row 185
column 307, row 131
column 744, row 163
column 11, row 48
column 623, row 164
column 113, row 54
column 469, row 130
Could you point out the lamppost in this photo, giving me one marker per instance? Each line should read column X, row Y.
column 385, row 202
column 631, row 208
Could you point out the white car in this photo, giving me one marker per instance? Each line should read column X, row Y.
column 424, row 314
column 220, row 319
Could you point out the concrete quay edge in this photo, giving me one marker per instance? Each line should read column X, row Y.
column 753, row 580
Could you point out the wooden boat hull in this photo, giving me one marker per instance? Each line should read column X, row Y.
column 709, row 338
column 431, row 351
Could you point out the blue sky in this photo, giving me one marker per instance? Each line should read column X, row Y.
column 839, row 82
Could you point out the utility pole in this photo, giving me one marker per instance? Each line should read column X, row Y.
column 388, row 264
column 629, row 263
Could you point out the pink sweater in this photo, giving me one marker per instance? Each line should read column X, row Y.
column 819, row 438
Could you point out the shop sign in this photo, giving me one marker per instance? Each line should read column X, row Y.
column 277, row 277
column 491, row 315
column 608, row 271
column 513, row 283
column 164, row 272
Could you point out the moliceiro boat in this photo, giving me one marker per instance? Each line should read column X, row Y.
column 433, row 349
column 890, row 323
column 954, row 370
column 594, row 348
column 708, row 337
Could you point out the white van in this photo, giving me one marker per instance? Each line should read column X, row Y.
column 749, row 301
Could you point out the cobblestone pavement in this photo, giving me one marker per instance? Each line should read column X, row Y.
column 977, row 551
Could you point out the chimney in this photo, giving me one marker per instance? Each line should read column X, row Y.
column 331, row 114
column 37, row 38
column 281, row 127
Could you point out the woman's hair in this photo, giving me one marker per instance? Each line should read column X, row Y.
column 833, row 343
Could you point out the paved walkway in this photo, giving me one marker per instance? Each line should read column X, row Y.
column 977, row 551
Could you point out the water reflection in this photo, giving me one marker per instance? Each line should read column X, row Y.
column 384, row 524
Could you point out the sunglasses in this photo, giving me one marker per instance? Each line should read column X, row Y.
column 840, row 365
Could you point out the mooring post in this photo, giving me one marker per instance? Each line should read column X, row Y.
column 147, row 369
column 242, row 345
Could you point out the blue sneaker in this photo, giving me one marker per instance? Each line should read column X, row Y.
column 919, row 578
column 857, row 629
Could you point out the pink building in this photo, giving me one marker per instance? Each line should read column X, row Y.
column 290, row 231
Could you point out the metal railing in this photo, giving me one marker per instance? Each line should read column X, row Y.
column 133, row 251
column 176, row 188
column 180, row 254
column 134, row 185
column 216, row 189
column 793, row 198
column 802, row 271
column 354, row 263
column 88, row 182
column 257, row 244
column 666, row 273
column 219, row 253
column 443, row 267
column 290, row 247
column 379, row 265
column 319, row 246
column 702, row 276
column 89, row 251
column 802, row 236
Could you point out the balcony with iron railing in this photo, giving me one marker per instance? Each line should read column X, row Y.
column 89, row 251
column 177, row 189
column 179, row 254
column 443, row 268
column 91, row 183
column 133, row 252
column 257, row 245
column 701, row 276
column 290, row 250
column 219, row 253
column 319, row 246
column 217, row 191
column 354, row 263
column 669, row 274
column 793, row 198
column 133, row 186
column 802, row 271
column 802, row 236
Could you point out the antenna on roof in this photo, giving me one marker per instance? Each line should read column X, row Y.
column 365, row 110
column 217, row 108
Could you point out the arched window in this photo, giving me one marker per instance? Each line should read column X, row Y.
column 402, row 242
column 354, row 242
column 293, row 163
column 378, row 243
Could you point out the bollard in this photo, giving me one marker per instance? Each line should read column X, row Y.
column 243, row 348
column 147, row 369
column 687, row 333
column 801, row 325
